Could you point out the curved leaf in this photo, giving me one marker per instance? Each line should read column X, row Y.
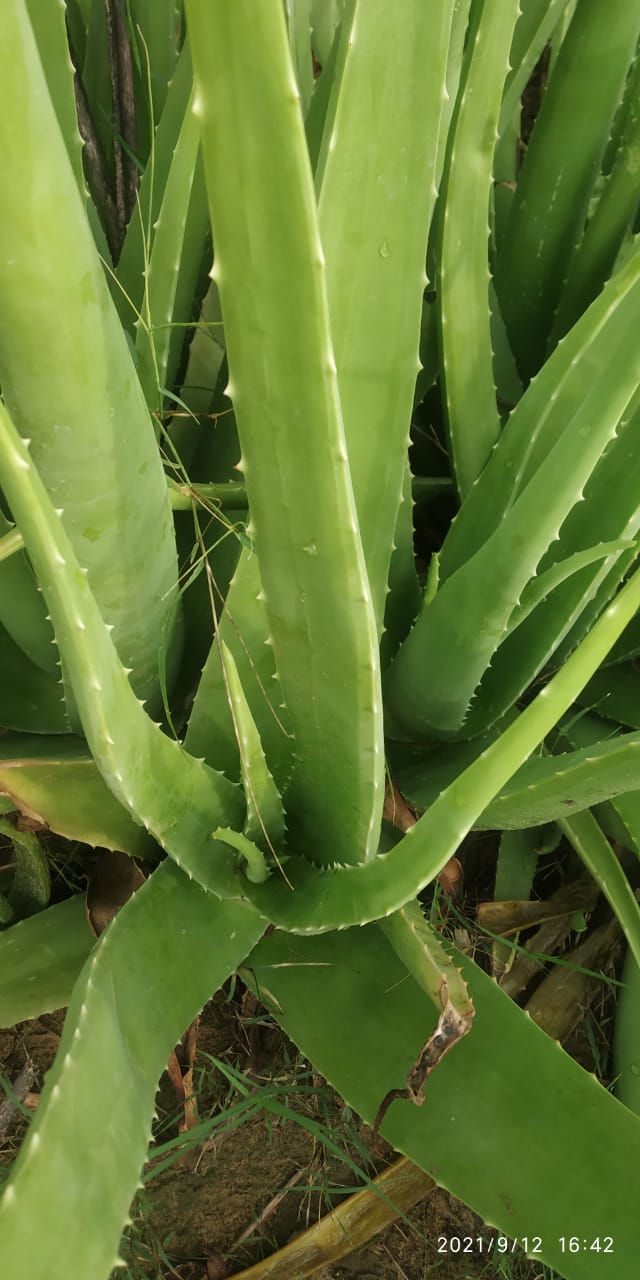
column 352, row 1009
column 41, row 958
column 317, row 596
column 163, row 956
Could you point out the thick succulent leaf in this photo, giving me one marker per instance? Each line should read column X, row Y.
column 375, row 204
column 96, row 80
column 298, row 14
column 455, row 59
column 592, row 846
column 536, row 24
column 264, row 822
column 628, row 645
column 552, row 787
column 596, row 255
column 317, row 114
column 620, row 819
column 570, row 608
column 23, row 610
column 56, row 783
column 128, row 281
column 620, row 816
column 30, row 700
column 243, row 629
column 463, row 290
column 345, row 896
column 554, row 577
column 155, row 30
column 163, row 956
column 518, row 854
column 201, row 378
column 420, row 948
column 542, row 415
column 179, row 799
column 40, row 960
column 547, row 787
column 614, row 693
column 67, row 372
column 542, row 233
column 317, row 596
column 30, row 888
column 350, row 1006
column 48, row 26
column 174, row 266
column 438, row 668
column 326, row 15
column 626, row 1043
column 404, row 598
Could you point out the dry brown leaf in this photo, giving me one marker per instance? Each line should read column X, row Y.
column 113, row 880
column 174, row 1072
column 450, row 878
column 403, row 816
column 396, row 809
column 217, row 1268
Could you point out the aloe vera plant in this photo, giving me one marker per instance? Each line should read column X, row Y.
column 256, row 306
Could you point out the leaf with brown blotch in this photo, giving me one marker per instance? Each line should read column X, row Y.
column 451, row 1027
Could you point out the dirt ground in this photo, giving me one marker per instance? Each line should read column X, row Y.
column 257, row 1181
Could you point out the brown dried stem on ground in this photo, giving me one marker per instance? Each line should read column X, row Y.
column 353, row 1224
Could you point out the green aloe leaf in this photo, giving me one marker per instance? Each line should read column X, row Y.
column 542, row 233
column 420, row 948
column 298, row 14
column 56, row 782
column 462, row 284
column 174, row 266
column 596, row 255
column 177, row 798
column 353, row 1010
column 544, row 789
column 317, row 596
column 72, row 385
column 264, row 822
column 570, row 608
column 614, row 693
column 354, row 895
column 162, row 957
column 626, row 1044
column 375, row 205
column 326, row 15
column 30, row 700
column 620, row 816
column 154, row 26
column 128, row 280
column 550, row 579
column 48, row 25
column 31, row 885
column 40, row 960
column 23, row 611
column 434, row 676
column 243, row 629
column 96, row 80
column 592, row 846
column 538, row 21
